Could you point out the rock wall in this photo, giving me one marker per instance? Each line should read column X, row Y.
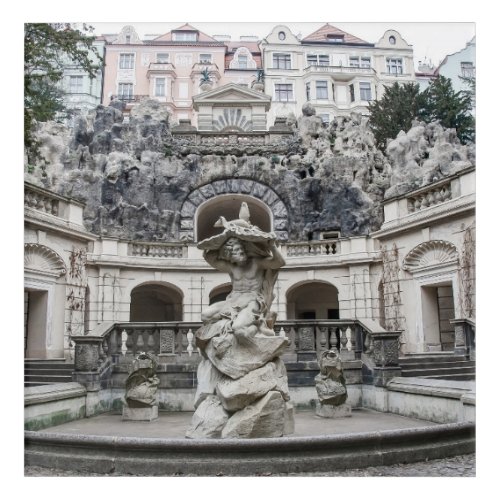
column 134, row 177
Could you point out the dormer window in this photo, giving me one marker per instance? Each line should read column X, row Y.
column 162, row 58
column 392, row 40
column 335, row 38
column 127, row 39
column 184, row 36
column 206, row 58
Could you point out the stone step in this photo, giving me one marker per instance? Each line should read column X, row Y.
column 461, row 376
column 436, row 364
column 49, row 371
column 53, row 379
column 424, row 358
column 427, row 372
column 49, row 365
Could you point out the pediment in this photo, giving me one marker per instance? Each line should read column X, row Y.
column 232, row 94
column 430, row 254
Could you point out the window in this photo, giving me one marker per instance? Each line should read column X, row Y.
column 359, row 62
column 162, row 57
column 127, row 38
column 468, row 69
column 335, row 38
column 308, row 91
column 206, row 58
column 242, row 62
column 392, row 40
column 159, row 87
column 322, row 90
column 76, row 84
column 281, row 35
column 365, row 91
column 283, row 92
column 126, row 61
column 184, row 36
column 282, row 61
column 394, row 65
column 351, row 92
column 125, row 91
column 318, row 60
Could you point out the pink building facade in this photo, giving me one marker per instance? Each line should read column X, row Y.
column 170, row 68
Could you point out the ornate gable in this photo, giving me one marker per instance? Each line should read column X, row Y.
column 233, row 94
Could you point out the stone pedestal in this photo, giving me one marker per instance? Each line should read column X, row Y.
column 145, row 414
column 330, row 411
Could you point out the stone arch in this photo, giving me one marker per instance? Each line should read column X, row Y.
column 244, row 187
column 42, row 259
column 314, row 299
column 430, row 254
column 219, row 293
column 156, row 301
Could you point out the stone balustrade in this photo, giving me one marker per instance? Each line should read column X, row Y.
column 465, row 336
column 423, row 199
column 158, row 250
column 309, row 248
column 174, row 343
column 41, row 200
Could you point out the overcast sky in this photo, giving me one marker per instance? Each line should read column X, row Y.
column 431, row 40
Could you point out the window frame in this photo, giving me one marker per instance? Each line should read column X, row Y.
column 157, row 87
column 124, row 96
column 365, row 88
column 78, row 90
column 278, row 57
column 281, row 91
column 394, row 62
column 202, row 60
column 323, row 88
column 127, row 60
column 160, row 55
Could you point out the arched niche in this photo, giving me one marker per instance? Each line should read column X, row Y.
column 228, row 206
column 313, row 300
column 429, row 255
column 248, row 188
column 219, row 293
column 42, row 260
column 156, row 302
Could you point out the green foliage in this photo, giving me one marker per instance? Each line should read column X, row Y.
column 450, row 108
column 402, row 104
column 395, row 111
column 47, row 49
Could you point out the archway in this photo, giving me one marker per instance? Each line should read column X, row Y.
column 219, row 293
column 156, row 302
column 313, row 300
column 228, row 206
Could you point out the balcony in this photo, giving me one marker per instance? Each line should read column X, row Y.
column 129, row 98
column 160, row 68
column 344, row 73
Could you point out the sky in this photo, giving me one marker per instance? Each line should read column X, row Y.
column 430, row 40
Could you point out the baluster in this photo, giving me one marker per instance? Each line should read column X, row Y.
column 124, row 340
column 55, row 208
column 333, row 337
column 130, row 342
column 190, row 337
column 105, row 347
column 417, row 204
column 47, row 206
column 352, row 337
column 151, row 341
column 282, row 332
column 323, row 330
column 343, row 339
column 184, row 340
column 348, row 333
column 139, row 344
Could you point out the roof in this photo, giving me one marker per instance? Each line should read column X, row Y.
column 202, row 37
column 323, row 33
column 253, row 47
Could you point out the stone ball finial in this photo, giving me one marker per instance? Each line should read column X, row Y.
column 308, row 109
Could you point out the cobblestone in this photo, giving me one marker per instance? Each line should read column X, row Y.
column 460, row 466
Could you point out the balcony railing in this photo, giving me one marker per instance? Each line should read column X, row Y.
column 427, row 198
column 41, row 200
column 310, row 248
column 158, row 250
column 129, row 98
column 345, row 70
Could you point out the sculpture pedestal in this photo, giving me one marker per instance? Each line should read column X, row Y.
column 146, row 414
column 330, row 411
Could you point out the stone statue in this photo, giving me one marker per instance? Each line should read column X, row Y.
column 241, row 368
column 141, row 389
column 331, row 387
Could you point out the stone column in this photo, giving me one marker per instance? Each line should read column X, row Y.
column 386, row 357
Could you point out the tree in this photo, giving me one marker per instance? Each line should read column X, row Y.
column 450, row 108
column 395, row 111
column 47, row 48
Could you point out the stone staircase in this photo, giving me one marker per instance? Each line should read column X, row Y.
column 47, row 371
column 439, row 365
